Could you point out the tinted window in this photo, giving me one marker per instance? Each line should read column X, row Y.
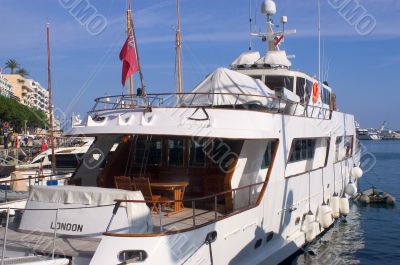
column 67, row 160
column 267, row 159
column 148, row 151
column 348, row 145
column 197, row 157
column 326, row 96
column 175, row 152
column 302, row 149
column 274, row 82
column 300, row 88
column 309, row 86
column 338, row 142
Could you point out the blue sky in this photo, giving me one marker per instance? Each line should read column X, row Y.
column 363, row 70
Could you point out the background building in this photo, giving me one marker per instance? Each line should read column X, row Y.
column 29, row 92
column 17, row 82
column 38, row 96
column 5, row 87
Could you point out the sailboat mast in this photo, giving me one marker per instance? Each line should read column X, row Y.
column 128, row 30
column 178, row 51
column 50, row 99
column 319, row 43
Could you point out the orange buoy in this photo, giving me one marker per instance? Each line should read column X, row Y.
column 315, row 92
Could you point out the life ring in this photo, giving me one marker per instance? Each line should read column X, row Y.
column 315, row 93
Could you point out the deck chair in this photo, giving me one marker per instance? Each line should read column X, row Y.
column 123, row 183
column 143, row 185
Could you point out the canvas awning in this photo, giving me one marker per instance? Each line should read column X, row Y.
column 225, row 87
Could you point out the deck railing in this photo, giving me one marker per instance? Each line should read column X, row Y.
column 200, row 211
column 207, row 100
column 31, row 181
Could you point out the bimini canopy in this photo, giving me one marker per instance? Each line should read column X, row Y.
column 225, row 87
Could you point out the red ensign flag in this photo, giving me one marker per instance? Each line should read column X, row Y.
column 128, row 56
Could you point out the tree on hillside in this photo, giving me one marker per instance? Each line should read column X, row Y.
column 12, row 65
column 22, row 72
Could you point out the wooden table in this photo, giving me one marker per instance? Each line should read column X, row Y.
column 178, row 189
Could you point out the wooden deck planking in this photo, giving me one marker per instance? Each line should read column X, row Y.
column 183, row 220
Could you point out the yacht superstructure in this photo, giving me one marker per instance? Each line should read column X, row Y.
column 247, row 168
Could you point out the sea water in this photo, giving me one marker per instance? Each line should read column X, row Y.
column 369, row 235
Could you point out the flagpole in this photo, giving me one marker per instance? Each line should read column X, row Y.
column 50, row 99
column 138, row 57
column 178, row 51
column 128, row 29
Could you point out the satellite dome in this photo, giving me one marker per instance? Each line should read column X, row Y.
column 268, row 8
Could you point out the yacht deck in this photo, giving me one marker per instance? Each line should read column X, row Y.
column 185, row 219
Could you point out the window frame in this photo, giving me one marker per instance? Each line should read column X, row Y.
column 291, row 79
column 182, row 164
column 303, row 150
column 203, row 147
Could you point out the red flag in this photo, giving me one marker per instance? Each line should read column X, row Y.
column 129, row 59
column 278, row 41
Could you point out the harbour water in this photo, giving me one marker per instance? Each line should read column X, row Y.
column 370, row 235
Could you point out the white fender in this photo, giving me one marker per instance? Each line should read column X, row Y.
column 350, row 189
column 325, row 216
column 309, row 227
column 344, row 206
column 335, row 202
column 356, row 172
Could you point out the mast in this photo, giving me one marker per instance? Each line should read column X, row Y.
column 319, row 46
column 250, row 27
column 132, row 29
column 53, row 160
column 178, row 52
column 128, row 30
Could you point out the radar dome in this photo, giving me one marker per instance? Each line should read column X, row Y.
column 268, row 8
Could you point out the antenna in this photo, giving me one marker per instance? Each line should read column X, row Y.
column 319, row 46
column 178, row 51
column 53, row 158
column 250, row 28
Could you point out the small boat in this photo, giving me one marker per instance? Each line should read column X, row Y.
column 375, row 196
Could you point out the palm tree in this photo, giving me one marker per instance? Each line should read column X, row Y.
column 22, row 72
column 12, row 65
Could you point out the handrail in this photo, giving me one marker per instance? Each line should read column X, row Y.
column 194, row 199
column 231, row 206
column 32, row 178
column 60, row 209
column 36, row 180
column 127, row 102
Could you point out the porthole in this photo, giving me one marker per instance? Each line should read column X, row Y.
column 132, row 255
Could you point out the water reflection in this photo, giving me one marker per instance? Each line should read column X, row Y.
column 337, row 246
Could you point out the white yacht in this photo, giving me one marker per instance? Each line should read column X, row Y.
column 367, row 134
column 253, row 164
column 67, row 160
column 268, row 160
